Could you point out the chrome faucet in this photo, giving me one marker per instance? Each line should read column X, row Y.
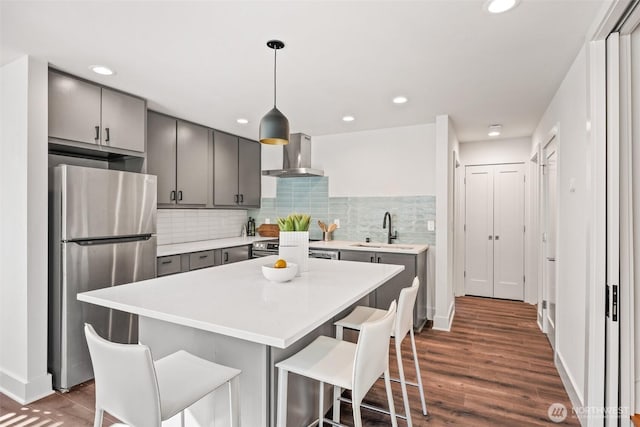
column 390, row 236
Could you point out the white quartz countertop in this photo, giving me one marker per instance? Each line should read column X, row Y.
column 344, row 245
column 205, row 245
column 237, row 301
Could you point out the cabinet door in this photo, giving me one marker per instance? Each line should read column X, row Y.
column 122, row 121
column 391, row 290
column 249, row 172
column 161, row 155
column 74, row 109
column 225, row 169
column 361, row 256
column 193, row 146
column 236, row 254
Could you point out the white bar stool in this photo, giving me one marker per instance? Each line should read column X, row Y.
column 403, row 325
column 143, row 393
column 355, row 367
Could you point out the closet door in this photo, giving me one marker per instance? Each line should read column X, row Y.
column 508, row 231
column 478, row 278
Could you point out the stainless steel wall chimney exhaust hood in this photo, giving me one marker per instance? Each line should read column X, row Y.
column 296, row 159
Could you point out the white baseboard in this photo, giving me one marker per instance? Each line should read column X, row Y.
column 443, row 323
column 431, row 312
column 575, row 395
column 25, row 393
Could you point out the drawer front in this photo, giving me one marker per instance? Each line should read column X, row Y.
column 235, row 254
column 201, row 260
column 169, row 265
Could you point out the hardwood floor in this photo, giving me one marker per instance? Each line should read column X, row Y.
column 495, row 368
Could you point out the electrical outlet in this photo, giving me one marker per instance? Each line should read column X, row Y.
column 337, row 222
column 431, row 225
column 267, row 220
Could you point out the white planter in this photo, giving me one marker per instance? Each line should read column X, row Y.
column 300, row 239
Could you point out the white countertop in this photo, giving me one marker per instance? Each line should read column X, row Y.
column 345, row 245
column 205, row 245
column 236, row 300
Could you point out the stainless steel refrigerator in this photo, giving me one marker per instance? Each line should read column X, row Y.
column 102, row 233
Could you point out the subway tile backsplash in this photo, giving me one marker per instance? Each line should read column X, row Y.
column 190, row 225
column 360, row 217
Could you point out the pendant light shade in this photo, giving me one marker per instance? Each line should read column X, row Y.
column 274, row 126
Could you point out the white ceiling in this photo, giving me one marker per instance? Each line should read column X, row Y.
column 207, row 61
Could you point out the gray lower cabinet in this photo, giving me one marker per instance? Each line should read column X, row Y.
column 178, row 153
column 234, row 254
column 181, row 263
column 80, row 111
column 236, row 171
column 414, row 265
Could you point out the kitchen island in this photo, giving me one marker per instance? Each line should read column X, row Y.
column 232, row 315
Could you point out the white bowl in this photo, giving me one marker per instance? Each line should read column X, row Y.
column 280, row 274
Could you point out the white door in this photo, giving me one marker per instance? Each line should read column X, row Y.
column 478, row 275
column 508, row 231
column 494, row 231
column 549, row 241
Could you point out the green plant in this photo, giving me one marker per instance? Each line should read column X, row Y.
column 295, row 222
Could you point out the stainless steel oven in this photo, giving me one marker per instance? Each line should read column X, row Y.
column 270, row 247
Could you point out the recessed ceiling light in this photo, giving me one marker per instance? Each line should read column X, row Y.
column 500, row 6
column 101, row 69
column 242, row 121
column 348, row 118
column 400, row 99
column 494, row 130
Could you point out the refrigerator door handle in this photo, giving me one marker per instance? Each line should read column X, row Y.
column 111, row 240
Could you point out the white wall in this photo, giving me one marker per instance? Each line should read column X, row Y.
column 23, row 230
column 446, row 153
column 495, row 151
column 569, row 112
column 384, row 162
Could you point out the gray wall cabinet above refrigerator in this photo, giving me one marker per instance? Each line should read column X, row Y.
column 86, row 114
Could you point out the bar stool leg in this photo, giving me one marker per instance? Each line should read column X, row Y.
column 182, row 418
column 357, row 417
column 392, row 409
column 321, row 405
column 282, row 397
column 97, row 422
column 415, row 361
column 234, row 401
column 337, row 392
column 403, row 383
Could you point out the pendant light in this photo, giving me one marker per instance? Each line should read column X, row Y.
column 274, row 126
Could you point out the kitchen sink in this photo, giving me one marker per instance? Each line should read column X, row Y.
column 381, row 245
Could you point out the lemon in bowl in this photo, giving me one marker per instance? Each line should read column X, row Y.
column 280, row 271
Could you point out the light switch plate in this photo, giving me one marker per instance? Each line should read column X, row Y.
column 337, row 222
column 431, row 225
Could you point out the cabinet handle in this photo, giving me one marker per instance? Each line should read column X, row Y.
column 226, row 257
column 242, row 198
column 204, row 256
column 97, row 133
column 235, row 198
column 497, row 238
column 167, row 262
column 372, row 259
column 490, row 237
column 179, row 195
column 378, row 260
column 172, row 195
column 107, row 131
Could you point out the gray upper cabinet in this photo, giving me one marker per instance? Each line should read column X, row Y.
column 123, row 121
column 178, row 153
column 87, row 113
column 236, row 171
column 161, row 155
column 193, row 146
column 249, row 172
column 74, row 109
column 225, row 169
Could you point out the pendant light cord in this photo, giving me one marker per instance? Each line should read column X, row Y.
column 275, row 59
